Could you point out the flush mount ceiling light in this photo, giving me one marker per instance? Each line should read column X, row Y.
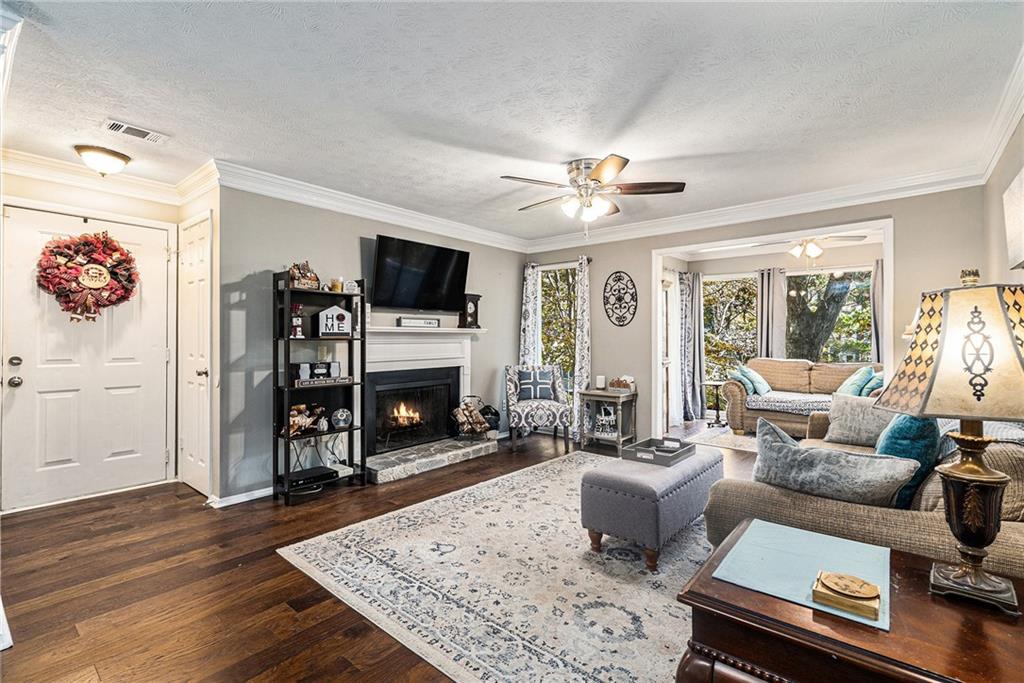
column 102, row 160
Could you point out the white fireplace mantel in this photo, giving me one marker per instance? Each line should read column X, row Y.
column 406, row 348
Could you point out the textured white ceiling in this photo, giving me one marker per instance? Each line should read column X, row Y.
column 424, row 105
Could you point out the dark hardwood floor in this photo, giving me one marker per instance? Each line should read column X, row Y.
column 150, row 585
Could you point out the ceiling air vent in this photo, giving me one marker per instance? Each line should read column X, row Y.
column 133, row 131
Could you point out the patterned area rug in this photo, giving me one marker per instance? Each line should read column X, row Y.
column 724, row 438
column 497, row 582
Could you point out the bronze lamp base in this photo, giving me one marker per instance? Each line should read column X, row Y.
column 973, row 495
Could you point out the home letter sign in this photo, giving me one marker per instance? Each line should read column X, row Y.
column 334, row 322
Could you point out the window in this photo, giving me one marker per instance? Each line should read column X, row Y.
column 558, row 320
column 828, row 316
column 730, row 326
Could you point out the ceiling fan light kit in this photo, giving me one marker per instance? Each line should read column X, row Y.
column 589, row 180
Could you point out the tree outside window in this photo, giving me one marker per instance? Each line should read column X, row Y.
column 730, row 326
column 828, row 316
column 558, row 321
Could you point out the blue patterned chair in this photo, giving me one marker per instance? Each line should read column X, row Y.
column 542, row 403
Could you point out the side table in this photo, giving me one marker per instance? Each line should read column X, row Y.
column 717, row 385
column 742, row 635
column 624, row 405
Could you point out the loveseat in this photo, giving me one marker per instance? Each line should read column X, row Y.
column 799, row 388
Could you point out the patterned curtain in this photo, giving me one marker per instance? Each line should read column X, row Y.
column 691, row 341
column 877, row 292
column 529, row 325
column 581, row 377
column 771, row 313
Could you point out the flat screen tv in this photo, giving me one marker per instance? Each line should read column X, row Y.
column 418, row 276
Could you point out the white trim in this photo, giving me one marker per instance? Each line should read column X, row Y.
column 910, row 186
column 464, row 331
column 218, row 503
column 854, row 268
column 10, row 29
column 71, row 210
column 198, row 182
column 12, row 511
column 5, row 630
column 722, row 277
column 77, row 175
column 279, row 187
column 657, row 265
column 1008, row 114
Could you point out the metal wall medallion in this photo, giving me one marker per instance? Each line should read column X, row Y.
column 620, row 298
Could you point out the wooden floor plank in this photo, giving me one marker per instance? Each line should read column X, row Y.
column 151, row 585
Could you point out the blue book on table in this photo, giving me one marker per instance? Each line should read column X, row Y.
column 784, row 562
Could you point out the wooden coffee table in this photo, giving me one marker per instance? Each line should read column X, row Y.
column 742, row 635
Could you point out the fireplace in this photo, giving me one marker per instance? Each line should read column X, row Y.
column 408, row 407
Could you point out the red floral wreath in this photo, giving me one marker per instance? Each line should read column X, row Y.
column 87, row 273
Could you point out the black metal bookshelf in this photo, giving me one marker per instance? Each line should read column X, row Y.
column 290, row 476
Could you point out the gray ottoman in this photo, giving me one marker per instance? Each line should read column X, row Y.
column 644, row 503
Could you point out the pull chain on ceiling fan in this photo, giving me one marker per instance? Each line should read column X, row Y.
column 589, row 192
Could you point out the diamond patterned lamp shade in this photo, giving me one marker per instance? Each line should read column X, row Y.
column 966, row 359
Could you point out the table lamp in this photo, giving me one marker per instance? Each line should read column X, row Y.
column 966, row 361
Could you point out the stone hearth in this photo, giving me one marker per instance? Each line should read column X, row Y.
column 400, row 464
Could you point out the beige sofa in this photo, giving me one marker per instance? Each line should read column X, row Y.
column 921, row 530
column 799, row 388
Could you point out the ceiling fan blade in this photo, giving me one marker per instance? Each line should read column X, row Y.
column 608, row 168
column 847, row 238
column 647, row 188
column 613, row 210
column 546, row 201
column 545, row 183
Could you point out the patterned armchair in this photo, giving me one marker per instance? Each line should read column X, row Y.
column 548, row 406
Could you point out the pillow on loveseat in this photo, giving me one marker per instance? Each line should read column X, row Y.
column 855, row 382
column 738, row 376
column 761, row 387
column 856, row 421
column 855, row 478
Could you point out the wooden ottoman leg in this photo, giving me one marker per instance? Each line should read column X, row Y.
column 651, row 559
column 565, row 438
column 595, row 540
column 512, row 434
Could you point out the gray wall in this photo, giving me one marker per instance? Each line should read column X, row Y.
column 260, row 235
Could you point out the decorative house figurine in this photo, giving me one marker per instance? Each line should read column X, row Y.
column 296, row 323
column 334, row 322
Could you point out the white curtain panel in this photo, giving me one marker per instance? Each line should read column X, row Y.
column 771, row 313
column 877, row 293
column 581, row 377
column 529, row 322
column 691, row 343
column 674, row 351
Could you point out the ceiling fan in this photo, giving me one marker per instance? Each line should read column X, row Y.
column 812, row 250
column 589, row 189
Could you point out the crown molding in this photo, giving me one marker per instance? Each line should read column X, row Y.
column 279, row 187
column 853, row 195
column 198, row 182
column 43, row 168
column 1008, row 114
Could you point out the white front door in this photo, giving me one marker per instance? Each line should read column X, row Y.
column 90, row 413
column 194, row 353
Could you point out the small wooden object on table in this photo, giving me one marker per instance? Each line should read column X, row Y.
column 742, row 635
column 624, row 405
column 717, row 386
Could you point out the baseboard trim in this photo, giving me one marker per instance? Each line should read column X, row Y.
column 218, row 503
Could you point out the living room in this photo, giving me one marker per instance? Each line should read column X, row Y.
column 468, row 356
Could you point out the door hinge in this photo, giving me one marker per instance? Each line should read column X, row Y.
column 167, row 355
column 167, row 456
column 171, row 253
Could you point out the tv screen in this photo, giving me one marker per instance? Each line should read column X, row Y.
column 419, row 276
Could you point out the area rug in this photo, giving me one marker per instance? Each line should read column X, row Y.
column 724, row 438
column 497, row 582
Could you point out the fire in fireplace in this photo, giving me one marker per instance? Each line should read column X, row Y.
column 408, row 407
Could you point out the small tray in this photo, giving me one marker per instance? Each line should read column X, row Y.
column 664, row 452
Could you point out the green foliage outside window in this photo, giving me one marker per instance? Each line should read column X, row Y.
column 730, row 327
column 558, row 320
column 828, row 317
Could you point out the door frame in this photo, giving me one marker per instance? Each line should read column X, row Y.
column 206, row 214
column 171, row 367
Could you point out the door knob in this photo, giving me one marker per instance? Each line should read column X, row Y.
column 202, row 373
column 15, row 382
column 14, row 360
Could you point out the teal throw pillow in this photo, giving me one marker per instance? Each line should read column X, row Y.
column 916, row 439
column 876, row 382
column 735, row 374
column 855, row 382
column 761, row 387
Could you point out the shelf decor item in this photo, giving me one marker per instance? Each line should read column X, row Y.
column 301, row 276
column 333, row 321
column 620, row 298
column 87, row 273
column 341, row 418
column 469, row 316
column 965, row 361
column 296, row 322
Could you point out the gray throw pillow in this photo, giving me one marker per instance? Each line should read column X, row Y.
column 855, row 478
column 855, row 420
